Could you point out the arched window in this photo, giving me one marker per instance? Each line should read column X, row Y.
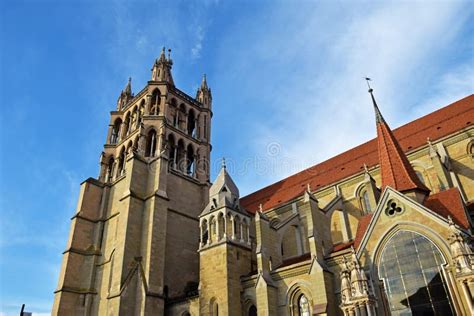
column 190, row 163
column 411, row 268
column 126, row 125
column 150, row 144
column 291, row 243
column 115, row 136
column 174, row 113
column 180, row 161
column 133, row 120
column 110, row 170
column 172, row 151
column 214, row 307
column 420, row 176
column 205, row 232
column 140, row 112
column 155, row 102
column 303, row 306
column 191, row 123
column 252, row 311
column 121, row 163
column 364, row 199
column 182, row 117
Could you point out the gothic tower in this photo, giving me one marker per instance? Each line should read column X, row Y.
column 225, row 249
column 133, row 239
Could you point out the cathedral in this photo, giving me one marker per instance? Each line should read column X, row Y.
column 385, row 228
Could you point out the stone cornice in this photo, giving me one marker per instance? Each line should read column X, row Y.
column 291, row 270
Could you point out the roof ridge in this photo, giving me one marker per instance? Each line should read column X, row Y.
column 411, row 134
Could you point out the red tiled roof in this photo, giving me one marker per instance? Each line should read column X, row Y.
column 395, row 169
column 342, row 246
column 435, row 125
column 364, row 222
column 449, row 203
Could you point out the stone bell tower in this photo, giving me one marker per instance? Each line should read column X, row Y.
column 133, row 241
column 225, row 249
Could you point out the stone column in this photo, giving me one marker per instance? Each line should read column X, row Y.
column 233, row 227
column 465, row 290
column 147, row 104
column 248, row 234
column 201, row 234
column 225, row 226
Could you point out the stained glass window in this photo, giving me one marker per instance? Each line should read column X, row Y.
column 411, row 269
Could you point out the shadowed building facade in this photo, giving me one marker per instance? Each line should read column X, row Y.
column 384, row 228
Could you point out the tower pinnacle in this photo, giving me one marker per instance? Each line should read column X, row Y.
column 203, row 94
column 161, row 70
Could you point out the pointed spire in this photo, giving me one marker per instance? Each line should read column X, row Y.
column 204, row 82
column 395, row 168
column 378, row 115
column 161, row 70
column 128, row 87
column 162, row 55
column 203, row 93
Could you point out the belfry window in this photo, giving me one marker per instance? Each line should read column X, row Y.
column 303, row 306
column 155, row 102
column 151, row 144
column 115, row 136
column 411, row 269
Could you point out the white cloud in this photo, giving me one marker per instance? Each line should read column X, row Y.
column 196, row 50
column 319, row 101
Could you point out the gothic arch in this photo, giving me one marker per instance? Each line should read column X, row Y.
column 432, row 290
column 291, row 241
column 420, row 171
column 151, row 140
column 180, row 157
column 423, row 230
column 121, row 162
column 470, row 149
column 191, row 126
column 362, row 196
column 182, row 117
column 115, row 135
column 140, row 112
column 213, row 307
column 126, row 125
column 190, row 160
column 171, row 150
column 155, row 102
column 293, row 295
column 129, row 148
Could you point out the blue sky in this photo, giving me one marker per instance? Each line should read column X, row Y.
column 286, row 78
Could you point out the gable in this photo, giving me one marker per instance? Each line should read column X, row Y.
column 397, row 211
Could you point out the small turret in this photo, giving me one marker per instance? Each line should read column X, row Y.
column 125, row 96
column 161, row 70
column 204, row 94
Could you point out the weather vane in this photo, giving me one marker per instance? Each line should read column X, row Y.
column 368, row 84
